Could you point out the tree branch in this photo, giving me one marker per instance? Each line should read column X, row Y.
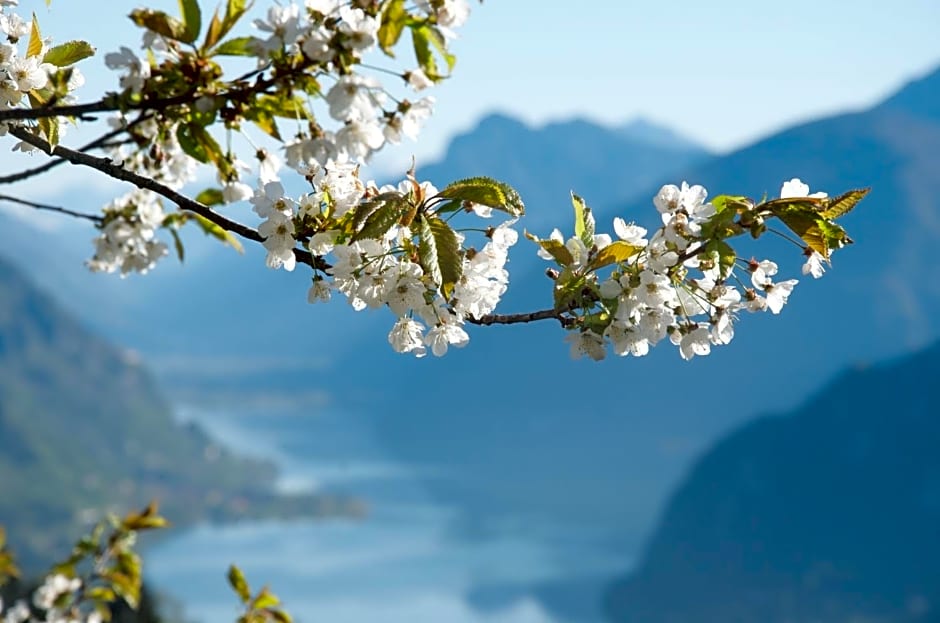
column 94, row 218
column 101, row 141
column 118, row 172
column 544, row 314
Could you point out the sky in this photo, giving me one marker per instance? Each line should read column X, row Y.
column 723, row 73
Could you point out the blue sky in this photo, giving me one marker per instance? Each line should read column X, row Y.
column 723, row 73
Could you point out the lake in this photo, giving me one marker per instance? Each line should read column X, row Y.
column 410, row 559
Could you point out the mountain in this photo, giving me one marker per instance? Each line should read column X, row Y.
column 829, row 513
column 83, row 429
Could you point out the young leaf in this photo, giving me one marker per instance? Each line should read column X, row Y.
column 236, row 580
column 192, row 19
column 178, row 245
column 34, row 48
column 214, row 33
column 264, row 599
column 568, row 290
column 423, row 38
column 210, row 197
column 239, row 46
column 555, row 248
column 68, row 53
column 233, row 12
column 485, row 191
column 583, row 221
column 616, row 252
column 439, row 252
column 160, row 23
column 394, row 18
column 843, row 204
column 216, row 231
column 386, row 214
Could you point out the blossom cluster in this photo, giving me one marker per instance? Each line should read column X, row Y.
column 386, row 270
column 127, row 242
column 25, row 74
column 56, row 599
column 681, row 283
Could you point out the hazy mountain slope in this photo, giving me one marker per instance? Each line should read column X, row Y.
column 829, row 513
column 83, row 429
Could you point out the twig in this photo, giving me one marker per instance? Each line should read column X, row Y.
column 544, row 314
column 94, row 218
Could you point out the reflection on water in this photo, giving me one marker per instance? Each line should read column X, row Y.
column 403, row 562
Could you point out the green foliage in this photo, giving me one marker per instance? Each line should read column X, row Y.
column 68, row 53
column 487, row 192
column 439, row 252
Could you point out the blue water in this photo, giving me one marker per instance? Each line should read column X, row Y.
column 403, row 562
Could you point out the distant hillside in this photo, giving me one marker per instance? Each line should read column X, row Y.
column 83, row 429
column 828, row 514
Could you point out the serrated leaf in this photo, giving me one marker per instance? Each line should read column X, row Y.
column 844, row 203
column 281, row 106
column 264, row 599
column 264, row 120
column 239, row 584
column 555, row 248
column 616, row 252
column 726, row 256
column 568, row 289
column 210, row 197
column 160, row 23
column 365, row 209
column 217, row 231
column 819, row 234
column 50, row 128
column 34, row 48
column 125, row 587
column 439, row 253
column 239, row 46
column 425, row 39
column 188, row 138
column 68, row 53
column 215, row 31
column 394, row 18
column 178, row 245
column 386, row 213
column 234, row 9
column 583, row 221
column 192, row 19
column 485, row 191
column 732, row 202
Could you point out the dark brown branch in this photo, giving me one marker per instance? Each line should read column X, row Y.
column 101, row 141
column 94, row 218
column 544, row 314
column 107, row 167
column 120, row 173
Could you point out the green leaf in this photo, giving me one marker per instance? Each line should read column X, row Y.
column 68, row 53
column 196, row 141
column 485, row 191
column 160, row 23
column 264, row 599
column 732, row 202
column 616, row 252
column 210, row 197
column 126, row 588
column 293, row 107
column 382, row 215
column 178, row 245
column 394, row 18
column 583, row 221
column 281, row 617
column 34, row 48
column 568, row 290
column 214, row 33
column 192, row 19
column 424, row 37
column 264, row 120
column 233, row 12
column 365, row 209
column 239, row 46
column 439, row 253
column 725, row 254
column 555, row 248
column 804, row 218
column 843, row 204
column 236, row 580
column 217, row 231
